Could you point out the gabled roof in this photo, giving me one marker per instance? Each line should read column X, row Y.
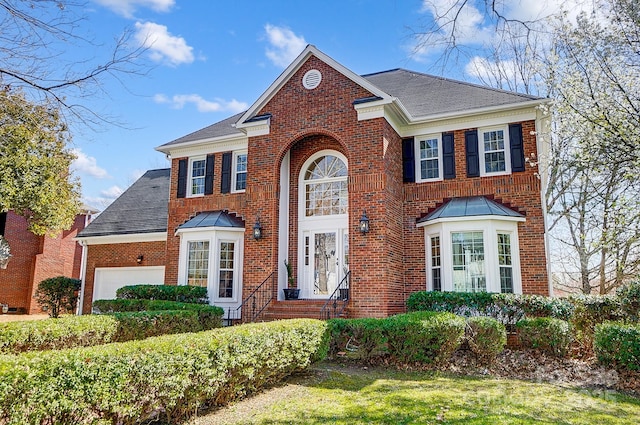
column 142, row 208
column 213, row 219
column 425, row 95
column 222, row 128
column 472, row 206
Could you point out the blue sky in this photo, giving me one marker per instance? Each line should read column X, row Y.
column 211, row 59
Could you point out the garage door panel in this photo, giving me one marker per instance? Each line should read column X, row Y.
column 108, row 280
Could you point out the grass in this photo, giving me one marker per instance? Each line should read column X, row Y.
column 336, row 394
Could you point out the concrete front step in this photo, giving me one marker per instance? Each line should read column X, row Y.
column 292, row 309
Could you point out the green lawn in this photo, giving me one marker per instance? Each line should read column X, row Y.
column 334, row 394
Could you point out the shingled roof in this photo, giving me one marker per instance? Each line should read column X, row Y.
column 142, row 208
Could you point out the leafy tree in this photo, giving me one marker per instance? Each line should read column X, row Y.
column 57, row 295
column 35, row 180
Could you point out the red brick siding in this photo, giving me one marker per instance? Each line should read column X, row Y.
column 119, row 255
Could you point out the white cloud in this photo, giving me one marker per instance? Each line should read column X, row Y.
column 112, row 193
column 126, row 8
column 285, row 45
column 162, row 45
column 179, row 101
column 88, row 165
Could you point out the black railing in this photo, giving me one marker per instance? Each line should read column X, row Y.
column 255, row 303
column 338, row 300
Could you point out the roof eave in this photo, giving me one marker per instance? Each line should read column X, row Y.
column 166, row 149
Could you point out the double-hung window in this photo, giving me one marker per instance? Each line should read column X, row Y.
column 239, row 183
column 429, row 154
column 494, row 150
column 197, row 176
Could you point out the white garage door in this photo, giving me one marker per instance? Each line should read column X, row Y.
column 108, row 279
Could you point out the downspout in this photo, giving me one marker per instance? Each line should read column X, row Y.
column 83, row 272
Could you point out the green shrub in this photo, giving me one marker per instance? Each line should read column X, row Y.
column 589, row 311
column 66, row 332
column 182, row 293
column 57, row 295
column 486, row 337
column 424, row 336
column 629, row 296
column 545, row 333
column 506, row 308
column 361, row 339
column 618, row 344
column 170, row 376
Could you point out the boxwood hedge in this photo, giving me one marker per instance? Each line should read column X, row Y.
column 553, row 336
column 168, row 377
column 618, row 344
column 181, row 293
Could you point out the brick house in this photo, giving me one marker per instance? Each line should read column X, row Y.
column 384, row 184
column 35, row 258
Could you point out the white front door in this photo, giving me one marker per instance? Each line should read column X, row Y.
column 325, row 260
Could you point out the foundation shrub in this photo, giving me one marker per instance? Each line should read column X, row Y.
column 426, row 337
column 57, row 295
column 360, row 339
column 486, row 337
column 591, row 310
column 164, row 378
column 181, row 293
column 548, row 334
column 629, row 296
column 618, row 344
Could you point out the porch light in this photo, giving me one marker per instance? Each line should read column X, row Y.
column 257, row 230
column 140, row 258
column 364, row 223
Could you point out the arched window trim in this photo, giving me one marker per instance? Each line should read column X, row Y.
column 302, row 182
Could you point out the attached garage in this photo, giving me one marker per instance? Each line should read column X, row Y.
column 109, row 279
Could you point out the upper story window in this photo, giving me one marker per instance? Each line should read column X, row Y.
column 325, row 185
column 429, row 154
column 494, row 151
column 239, row 171
column 196, row 175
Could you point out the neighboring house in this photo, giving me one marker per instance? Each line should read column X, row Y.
column 35, row 258
column 438, row 167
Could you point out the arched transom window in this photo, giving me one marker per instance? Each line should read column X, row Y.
column 325, row 183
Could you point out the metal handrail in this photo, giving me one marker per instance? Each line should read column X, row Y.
column 258, row 300
column 338, row 300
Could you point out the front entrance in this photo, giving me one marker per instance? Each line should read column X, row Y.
column 325, row 261
column 323, row 238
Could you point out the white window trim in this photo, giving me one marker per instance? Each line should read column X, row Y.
column 215, row 237
column 507, row 150
column 190, row 176
column 490, row 229
column 302, row 189
column 234, row 172
column 418, row 160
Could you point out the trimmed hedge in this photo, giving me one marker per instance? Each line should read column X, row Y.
column 507, row 308
column 591, row 310
column 629, row 296
column 209, row 316
column 90, row 330
column 545, row 333
column 167, row 377
column 182, row 293
column 486, row 337
column 414, row 337
column 618, row 344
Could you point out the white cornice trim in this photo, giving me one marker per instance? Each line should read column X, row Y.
column 221, row 141
column 256, row 128
column 209, row 229
column 204, row 148
column 309, row 51
column 118, row 239
column 470, row 218
column 531, row 104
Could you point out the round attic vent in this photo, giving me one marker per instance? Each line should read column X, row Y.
column 311, row 79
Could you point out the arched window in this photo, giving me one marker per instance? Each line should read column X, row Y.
column 325, row 185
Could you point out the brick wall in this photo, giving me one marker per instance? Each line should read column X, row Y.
column 120, row 255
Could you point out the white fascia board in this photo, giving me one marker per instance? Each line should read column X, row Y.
column 203, row 147
column 478, row 111
column 470, row 218
column 257, row 127
column 127, row 238
column 309, row 51
column 209, row 229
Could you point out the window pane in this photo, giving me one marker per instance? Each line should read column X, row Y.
column 198, row 263
column 241, row 172
column 436, row 277
column 225, row 284
column 429, row 164
column 468, row 262
column 197, row 177
column 494, row 151
column 505, row 262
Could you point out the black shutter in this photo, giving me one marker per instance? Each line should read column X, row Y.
column 208, row 176
column 408, row 161
column 517, row 147
column 182, row 178
column 225, row 176
column 473, row 158
column 448, row 156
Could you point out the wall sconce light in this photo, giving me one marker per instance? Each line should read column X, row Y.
column 257, row 230
column 364, row 223
column 140, row 258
